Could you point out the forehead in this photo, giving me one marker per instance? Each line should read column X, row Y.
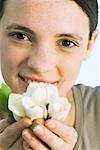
column 46, row 14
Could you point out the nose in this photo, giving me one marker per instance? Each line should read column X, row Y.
column 42, row 60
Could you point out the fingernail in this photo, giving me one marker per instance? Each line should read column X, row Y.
column 50, row 124
column 38, row 130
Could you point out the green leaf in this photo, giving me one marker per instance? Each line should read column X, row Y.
column 5, row 91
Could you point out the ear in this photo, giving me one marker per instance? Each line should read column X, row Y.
column 91, row 43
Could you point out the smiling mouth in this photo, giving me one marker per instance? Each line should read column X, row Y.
column 28, row 80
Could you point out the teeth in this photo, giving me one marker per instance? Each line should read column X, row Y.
column 56, row 84
column 29, row 81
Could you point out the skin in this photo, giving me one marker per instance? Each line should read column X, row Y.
column 33, row 59
column 45, row 42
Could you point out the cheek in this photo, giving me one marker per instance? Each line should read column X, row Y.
column 69, row 69
column 70, row 64
column 70, row 73
column 12, row 56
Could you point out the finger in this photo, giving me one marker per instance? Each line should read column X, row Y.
column 3, row 124
column 13, row 131
column 48, row 137
column 33, row 141
column 39, row 121
column 67, row 133
column 26, row 146
column 52, row 140
column 18, row 145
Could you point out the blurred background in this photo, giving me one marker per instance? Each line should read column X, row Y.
column 90, row 70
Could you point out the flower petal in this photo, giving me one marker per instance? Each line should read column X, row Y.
column 15, row 104
column 37, row 92
column 51, row 91
column 59, row 108
column 35, row 112
column 16, row 117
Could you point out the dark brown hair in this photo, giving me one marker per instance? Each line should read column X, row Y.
column 90, row 7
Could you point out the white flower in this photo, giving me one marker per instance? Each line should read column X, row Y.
column 34, row 110
column 33, row 103
column 59, row 108
column 41, row 92
column 15, row 105
column 23, row 106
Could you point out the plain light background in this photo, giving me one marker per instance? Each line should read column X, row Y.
column 90, row 69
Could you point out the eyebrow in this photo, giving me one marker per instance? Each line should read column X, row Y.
column 19, row 27
column 70, row 35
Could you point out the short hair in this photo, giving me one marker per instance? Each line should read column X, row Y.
column 89, row 7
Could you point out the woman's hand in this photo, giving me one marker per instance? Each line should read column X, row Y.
column 10, row 134
column 54, row 135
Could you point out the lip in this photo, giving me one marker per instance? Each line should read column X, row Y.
column 34, row 79
column 23, row 82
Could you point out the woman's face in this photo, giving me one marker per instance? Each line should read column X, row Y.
column 43, row 41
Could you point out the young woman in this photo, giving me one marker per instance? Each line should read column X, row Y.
column 46, row 41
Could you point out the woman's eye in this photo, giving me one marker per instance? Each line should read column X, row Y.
column 19, row 36
column 66, row 43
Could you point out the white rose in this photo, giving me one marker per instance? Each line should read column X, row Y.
column 41, row 92
column 34, row 110
column 24, row 106
column 59, row 108
column 15, row 105
column 33, row 103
